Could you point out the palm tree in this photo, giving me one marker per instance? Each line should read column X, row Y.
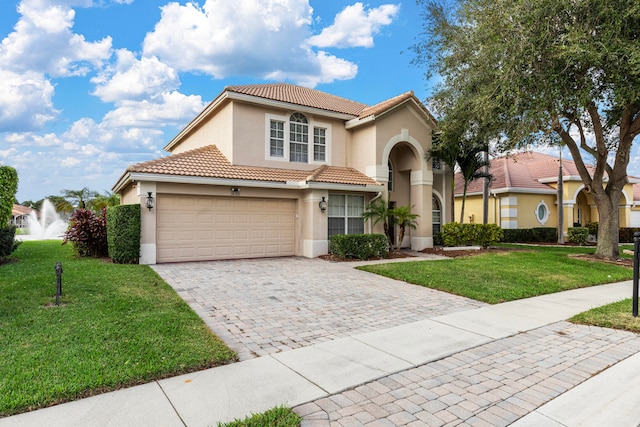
column 101, row 201
column 79, row 197
column 472, row 166
column 405, row 219
column 378, row 211
column 448, row 153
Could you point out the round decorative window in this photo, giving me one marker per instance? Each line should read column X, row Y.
column 542, row 213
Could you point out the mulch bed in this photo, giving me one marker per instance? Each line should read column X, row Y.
column 391, row 255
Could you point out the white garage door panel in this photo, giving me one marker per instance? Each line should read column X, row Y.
column 197, row 228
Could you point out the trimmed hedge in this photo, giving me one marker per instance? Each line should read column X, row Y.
column 625, row 234
column 123, row 233
column 362, row 246
column 8, row 243
column 530, row 235
column 455, row 234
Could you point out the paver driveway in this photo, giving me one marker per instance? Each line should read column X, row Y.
column 265, row 306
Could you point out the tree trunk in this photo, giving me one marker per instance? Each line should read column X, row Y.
column 464, row 197
column 608, row 226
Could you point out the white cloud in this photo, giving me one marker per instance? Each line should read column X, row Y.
column 25, row 101
column 166, row 109
column 257, row 38
column 355, row 26
column 42, row 41
column 134, row 79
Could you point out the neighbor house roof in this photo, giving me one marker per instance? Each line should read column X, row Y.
column 18, row 210
column 289, row 95
column 209, row 162
column 528, row 171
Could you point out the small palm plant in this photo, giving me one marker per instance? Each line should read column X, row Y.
column 404, row 219
column 377, row 211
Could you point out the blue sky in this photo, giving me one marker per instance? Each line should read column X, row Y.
column 88, row 87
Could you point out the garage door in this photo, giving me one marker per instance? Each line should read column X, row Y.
column 197, row 228
column 635, row 219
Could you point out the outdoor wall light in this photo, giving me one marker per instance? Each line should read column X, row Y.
column 322, row 204
column 235, row 191
column 149, row 201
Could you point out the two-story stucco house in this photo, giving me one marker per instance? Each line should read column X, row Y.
column 276, row 169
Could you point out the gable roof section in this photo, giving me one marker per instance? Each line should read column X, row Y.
column 528, row 171
column 209, row 162
column 288, row 95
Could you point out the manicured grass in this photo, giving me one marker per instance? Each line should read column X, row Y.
column 119, row 325
column 276, row 417
column 617, row 315
column 509, row 275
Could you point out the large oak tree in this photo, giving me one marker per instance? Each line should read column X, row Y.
column 531, row 71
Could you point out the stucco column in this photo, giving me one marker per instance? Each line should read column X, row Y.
column 315, row 226
column 421, row 199
column 148, row 249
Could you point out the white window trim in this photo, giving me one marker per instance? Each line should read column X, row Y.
column 312, row 124
column 327, row 142
column 267, row 148
column 544, row 219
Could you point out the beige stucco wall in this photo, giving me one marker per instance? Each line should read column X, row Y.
column 216, row 130
column 250, row 132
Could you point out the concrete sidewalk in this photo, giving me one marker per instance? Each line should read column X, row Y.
column 310, row 378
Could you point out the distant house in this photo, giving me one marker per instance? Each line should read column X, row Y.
column 523, row 194
column 20, row 216
column 276, row 169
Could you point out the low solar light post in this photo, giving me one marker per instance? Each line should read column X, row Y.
column 636, row 266
column 58, row 282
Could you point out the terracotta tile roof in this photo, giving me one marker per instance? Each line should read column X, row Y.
column 523, row 171
column 299, row 95
column 388, row 104
column 20, row 210
column 209, row 162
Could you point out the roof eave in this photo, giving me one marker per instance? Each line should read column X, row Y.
column 290, row 185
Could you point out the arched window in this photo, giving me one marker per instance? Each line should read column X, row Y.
column 298, row 138
column 390, row 184
column 436, row 214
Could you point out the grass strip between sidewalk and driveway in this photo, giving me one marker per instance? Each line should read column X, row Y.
column 617, row 315
column 279, row 416
column 515, row 273
column 117, row 326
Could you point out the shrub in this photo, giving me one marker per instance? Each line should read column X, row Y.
column 625, row 234
column 123, row 233
column 454, row 234
column 578, row 235
column 518, row 235
column 362, row 246
column 593, row 228
column 437, row 239
column 8, row 242
column 87, row 233
column 8, row 189
column 545, row 234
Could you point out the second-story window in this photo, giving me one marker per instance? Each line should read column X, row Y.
column 276, row 138
column 319, row 144
column 298, row 138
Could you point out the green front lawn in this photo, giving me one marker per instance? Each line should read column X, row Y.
column 515, row 273
column 117, row 326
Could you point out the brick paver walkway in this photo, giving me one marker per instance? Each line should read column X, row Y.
column 265, row 306
column 490, row 385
